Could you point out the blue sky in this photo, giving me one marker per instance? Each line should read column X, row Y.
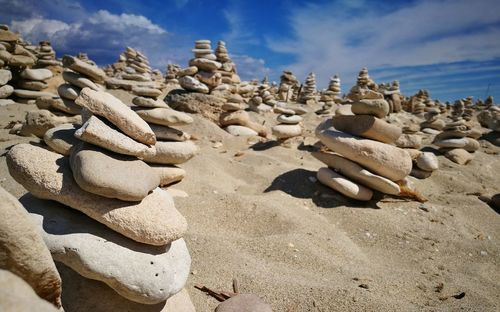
column 451, row 48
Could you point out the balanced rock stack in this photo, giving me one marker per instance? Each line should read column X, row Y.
column 308, row 92
column 85, row 57
column 46, row 55
column 489, row 117
column 171, row 74
column 393, row 97
column 237, row 121
column 30, row 84
column 203, row 74
column 6, row 89
column 416, row 103
column 432, row 121
column 228, row 69
column 289, row 124
column 127, row 233
column 468, row 108
column 458, row 140
column 289, row 87
column 366, row 99
column 131, row 65
column 331, row 96
column 362, row 157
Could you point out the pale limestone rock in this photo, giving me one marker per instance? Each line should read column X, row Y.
column 467, row 144
column 282, row 132
column 237, row 130
column 169, row 134
column 63, row 105
column 164, row 116
column 145, row 91
column 244, row 303
column 409, row 141
column 30, row 94
column 289, row 119
column 192, row 84
column 38, row 122
column 171, row 153
column 79, row 80
column 427, row 161
column 342, row 185
column 6, row 91
column 47, row 175
column 38, row 74
column 61, row 138
column 148, row 102
column 168, row 175
column 68, row 91
column 459, row 156
column 73, row 63
column 376, row 107
column 368, row 127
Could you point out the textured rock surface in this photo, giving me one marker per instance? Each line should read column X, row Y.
column 168, row 175
column 169, row 134
column 38, row 122
column 342, row 185
column 139, row 272
column 459, row 156
column 82, row 67
column 286, row 131
column 368, row 127
column 111, row 108
column 164, row 116
column 18, row 296
column 240, row 130
column 380, row 158
column 111, row 175
column 23, row 252
column 376, row 107
column 61, row 138
column 47, row 175
column 171, row 153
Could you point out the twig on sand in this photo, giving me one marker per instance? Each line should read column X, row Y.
column 219, row 295
column 236, row 286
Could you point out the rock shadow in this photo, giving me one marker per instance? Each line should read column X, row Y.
column 262, row 146
column 297, row 183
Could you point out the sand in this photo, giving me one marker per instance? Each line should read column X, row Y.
column 256, row 213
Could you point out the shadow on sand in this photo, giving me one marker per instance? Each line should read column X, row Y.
column 297, row 183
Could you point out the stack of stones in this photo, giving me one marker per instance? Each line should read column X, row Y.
column 131, row 65
column 237, row 121
column 6, row 90
column 432, row 121
column 203, row 74
column 228, row 69
column 289, row 87
column 489, row 117
column 85, row 57
column 393, row 97
column 289, row 124
column 30, row 84
column 308, row 92
column 424, row 163
column 46, row 55
column 416, row 103
column 127, row 233
column 331, row 96
column 362, row 157
column 171, row 75
column 468, row 108
column 366, row 99
column 458, row 140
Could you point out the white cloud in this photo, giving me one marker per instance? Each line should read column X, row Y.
column 332, row 39
column 250, row 68
column 36, row 28
column 125, row 22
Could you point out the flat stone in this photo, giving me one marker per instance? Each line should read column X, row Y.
column 6, row 91
column 139, row 272
column 243, row 303
column 19, row 296
column 240, row 131
column 376, row 107
column 5, row 76
column 419, row 173
column 386, row 160
column 344, row 110
column 23, row 252
column 63, row 105
column 192, row 84
column 114, row 110
column 207, row 105
column 368, row 127
column 467, row 144
column 47, row 175
column 32, row 85
column 21, row 61
column 148, row 102
column 98, row 132
column 8, row 36
column 38, row 122
column 79, row 80
column 232, row 107
column 205, row 64
column 111, row 175
column 427, row 161
column 164, row 116
column 61, row 138
column 171, row 153
column 144, row 91
column 211, row 79
column 234, row 118
column 459, row 156
column 68, row 91
column 6, row 102
column 168, row 175
column 30, row 94
column 430, row 131
column 93, row 72
column 282, row 132
column 169, row 134
column 409, row 141
column 38, row 74
column 81, row 294
column 283, row 110
column 342, row 185
column 289, row 119
column 188, row 71
column 353, row 171
column 437, row 124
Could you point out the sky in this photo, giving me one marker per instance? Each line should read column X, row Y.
column 449, row 47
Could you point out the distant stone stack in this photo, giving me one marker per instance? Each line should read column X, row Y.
column 237, row 121
column 289, row 124
column 490, row 117
column 121, row 222
column 331, row 96
column 432, row 121
column 85, row 57
column 416, row 104
column 458, row 141
column 203, row 74
column 228, row 69
column 361, row 157
column 457, row 110
column 289, row 87
column 393, row 96
column 468, row 108
column 30, row 84
column 131, row 65
column 171, row 75
column 309, row 91
column 365, row 99
column 46, row 55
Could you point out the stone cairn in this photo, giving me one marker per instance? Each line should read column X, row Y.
column 203, row 74
column 121, row 228
column 289, row 87
column 458, row 140
column 331, row 96
column 46, row 55
column 263, row 100
column 85, row 57
column 237, row 121
column 416, row 103
column 171, row 74
column 392, row 95
column 289, row 124
column 361, row 156
column 228, row 68
column 308, row 92
column 489, row 117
